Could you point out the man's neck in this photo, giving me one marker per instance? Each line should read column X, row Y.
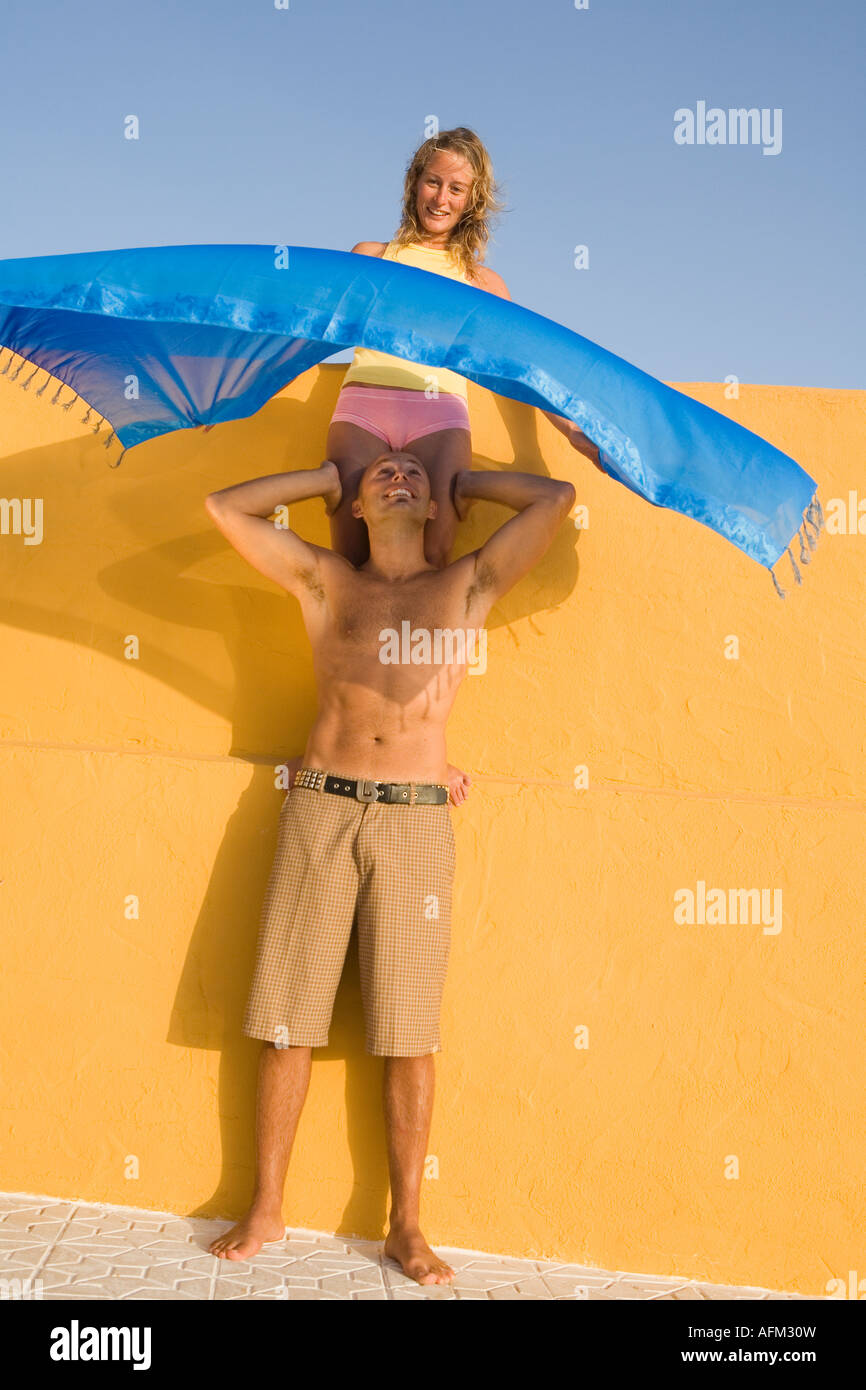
column 397, row 556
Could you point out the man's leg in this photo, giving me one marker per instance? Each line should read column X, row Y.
column 284, row 1077
column 406, row 857
column 408, row 1089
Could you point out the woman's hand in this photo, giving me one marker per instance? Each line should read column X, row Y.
column 333, row 486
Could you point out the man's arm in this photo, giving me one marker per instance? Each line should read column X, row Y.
column 542, row 505
column 241, row 513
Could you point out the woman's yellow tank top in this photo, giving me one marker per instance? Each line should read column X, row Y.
column 380, row 368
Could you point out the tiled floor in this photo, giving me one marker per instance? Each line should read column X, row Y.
column 59, row 1249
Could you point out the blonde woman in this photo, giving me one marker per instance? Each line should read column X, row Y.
column 387, row 403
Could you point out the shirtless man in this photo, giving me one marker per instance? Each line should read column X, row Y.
column 366, row 825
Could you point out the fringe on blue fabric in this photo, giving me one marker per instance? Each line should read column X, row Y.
column 813, row 516
column 155, row 339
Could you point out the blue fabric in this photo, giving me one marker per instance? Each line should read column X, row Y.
column 212, row 332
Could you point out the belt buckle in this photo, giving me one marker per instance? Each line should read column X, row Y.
column 365, row 790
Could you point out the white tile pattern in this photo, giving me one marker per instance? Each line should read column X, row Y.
column 88, row 1251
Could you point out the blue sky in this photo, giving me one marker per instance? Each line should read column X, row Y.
column 268, row 125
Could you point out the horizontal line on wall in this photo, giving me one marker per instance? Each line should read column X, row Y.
column 605, row 785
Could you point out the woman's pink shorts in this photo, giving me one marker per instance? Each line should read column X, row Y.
column 399, row 416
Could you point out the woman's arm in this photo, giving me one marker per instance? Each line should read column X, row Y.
column 491, row 282
column 494, row 284
column 369, row 248
column 575, row 436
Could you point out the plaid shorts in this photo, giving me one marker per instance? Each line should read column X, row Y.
column 339, row 861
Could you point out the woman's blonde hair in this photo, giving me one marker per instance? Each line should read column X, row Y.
column 468, row 240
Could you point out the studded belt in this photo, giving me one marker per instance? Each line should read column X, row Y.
column 363, row 789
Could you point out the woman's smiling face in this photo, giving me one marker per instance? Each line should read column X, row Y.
column 442, row 194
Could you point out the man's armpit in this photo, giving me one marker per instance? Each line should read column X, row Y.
column 483, row 581
column 321, row 572
column 310, row 580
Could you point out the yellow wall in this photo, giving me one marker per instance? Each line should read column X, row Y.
column 155, row 777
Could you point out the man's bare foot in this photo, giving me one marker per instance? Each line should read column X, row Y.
column 408, row 1247
column 249, row 1235
column 458, row 784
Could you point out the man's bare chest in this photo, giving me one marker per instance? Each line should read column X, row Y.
column 364, row 616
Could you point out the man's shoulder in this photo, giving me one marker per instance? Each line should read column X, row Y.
column 464, row 565
column 331, row 561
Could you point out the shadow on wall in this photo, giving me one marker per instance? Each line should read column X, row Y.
column 268, row 704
